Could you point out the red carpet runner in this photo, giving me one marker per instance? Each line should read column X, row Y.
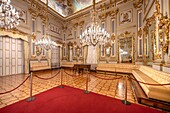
column 71, row 100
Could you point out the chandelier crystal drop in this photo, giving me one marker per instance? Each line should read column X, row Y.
column 9, row 16
column 94, row 34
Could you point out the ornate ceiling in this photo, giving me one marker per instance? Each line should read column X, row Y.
column 68, row 7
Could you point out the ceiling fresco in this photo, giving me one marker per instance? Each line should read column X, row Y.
column 68, row 7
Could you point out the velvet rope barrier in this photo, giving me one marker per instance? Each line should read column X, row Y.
column 149, row 83
column 47, row 78
column 106, row 78
column 71, row 75
column 16, row 87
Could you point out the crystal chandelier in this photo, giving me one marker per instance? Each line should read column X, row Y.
column 46, row 43
column 9, row 16
column 94, row 34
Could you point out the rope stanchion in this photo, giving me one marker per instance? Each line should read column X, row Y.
column 47, row 78
column 16, row 87
column 125, row 101
column 31, row 98
column 61, row 78
column 87, row 82
column 149, row 83
column 106, row 78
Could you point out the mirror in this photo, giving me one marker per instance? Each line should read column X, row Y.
column 125, row 48
column 70, row 51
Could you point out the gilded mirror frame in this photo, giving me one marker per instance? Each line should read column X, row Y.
column 127, row 34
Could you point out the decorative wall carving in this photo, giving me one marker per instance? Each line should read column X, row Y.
column 126, row 16
column 138, row 4
column 55, row 28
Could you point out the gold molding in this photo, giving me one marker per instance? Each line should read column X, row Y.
column 140, row 32
column 138, row 4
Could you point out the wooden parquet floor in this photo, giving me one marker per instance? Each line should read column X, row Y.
column 111, row 88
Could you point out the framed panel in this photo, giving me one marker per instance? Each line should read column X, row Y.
column 13, row 70
column 7, row 71
column 125, row 16
column 139, row 19
column 13, row 62
column 19, row 69
column 113, row 26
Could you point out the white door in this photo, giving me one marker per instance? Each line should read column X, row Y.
column 11, row 56
column 55, row 58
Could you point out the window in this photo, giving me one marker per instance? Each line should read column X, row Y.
column 33, row 26
column 113, row 26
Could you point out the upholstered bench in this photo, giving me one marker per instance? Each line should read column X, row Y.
column 121, row 68
column 148, row 75
column 36, row 65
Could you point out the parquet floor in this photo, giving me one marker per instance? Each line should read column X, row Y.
column 111, row 88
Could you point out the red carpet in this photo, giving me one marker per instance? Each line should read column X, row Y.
column 71, row 100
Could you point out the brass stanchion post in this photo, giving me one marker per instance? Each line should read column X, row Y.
column 61, row 78
column 87, row 81
column 31, row 98
column 125, row 101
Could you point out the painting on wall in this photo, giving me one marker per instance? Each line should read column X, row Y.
column 68, row 7
column 126, row 16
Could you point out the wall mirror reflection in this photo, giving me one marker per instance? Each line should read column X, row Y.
column 125, row 47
